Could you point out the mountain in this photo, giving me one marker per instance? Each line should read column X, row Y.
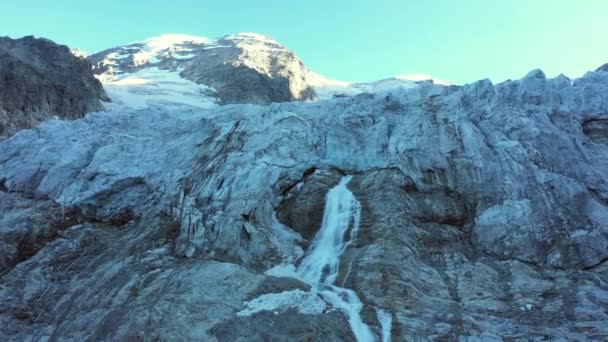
column 398, row 209
column 201, row 72
column 242, row 68
column 40, row 79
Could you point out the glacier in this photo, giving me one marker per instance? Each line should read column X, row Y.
column 483, row 210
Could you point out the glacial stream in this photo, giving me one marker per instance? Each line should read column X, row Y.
column 321, row 263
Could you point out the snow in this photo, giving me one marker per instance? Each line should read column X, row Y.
column 307, row 303
column 130, row 89
column 155, row 48
column 326, row 88
column 166, row 41
column 320, row 266
column 79, row 53
column 156, row 87
column 252, row 38
column 151, row 51
column 386, row 322
column 421, row 77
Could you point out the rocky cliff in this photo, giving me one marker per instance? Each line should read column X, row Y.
column 484, row 215
column 39, row 80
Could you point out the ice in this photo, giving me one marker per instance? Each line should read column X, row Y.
column 339, row 227
column 326, row 88
column 155, row 87
column 167, row 40
column 386, row 321
column 305, row 302
column 321, row 264
column 421, row 77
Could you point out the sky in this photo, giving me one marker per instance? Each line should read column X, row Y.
column 458, row 41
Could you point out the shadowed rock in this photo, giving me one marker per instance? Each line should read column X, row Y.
column 242, row 68
column 39, row 80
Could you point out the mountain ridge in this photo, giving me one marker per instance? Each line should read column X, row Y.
column 249, row 61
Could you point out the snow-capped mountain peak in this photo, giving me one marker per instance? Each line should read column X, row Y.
column 170, row 40
column 238, row 68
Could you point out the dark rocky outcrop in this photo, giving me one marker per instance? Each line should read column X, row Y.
column 596, row 129
column 40, row 79
column 38, row 222
column 302, row 208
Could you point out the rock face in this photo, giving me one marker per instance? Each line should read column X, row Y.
column 243, row 68
column 484, row 216
column 40, row 79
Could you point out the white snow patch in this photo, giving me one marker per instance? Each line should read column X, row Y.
column 307, row 303
column 153, row 50
column 252, row 37
column 153, row 86
column 421, row 77
column 79, row 53
column 166, row 41
column 326, row 88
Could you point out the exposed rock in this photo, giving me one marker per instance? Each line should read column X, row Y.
column 603, row 68
column 39, row 80
column 596, row 129
column 311, row 191
column 484, row 215
column 27, row 224
column 287, row 326
column 438, row 283
column 100, row 282
column 278, row 284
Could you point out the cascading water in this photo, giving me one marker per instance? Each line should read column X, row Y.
column 320, row 266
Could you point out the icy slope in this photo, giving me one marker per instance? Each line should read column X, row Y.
column 484, row 213
column 153, row 87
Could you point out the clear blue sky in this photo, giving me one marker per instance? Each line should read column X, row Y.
column 455, row 40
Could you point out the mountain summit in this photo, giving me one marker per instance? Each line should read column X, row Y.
column 240, row 68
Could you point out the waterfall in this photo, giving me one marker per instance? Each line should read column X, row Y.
column 321, row 263
column 320, row 267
